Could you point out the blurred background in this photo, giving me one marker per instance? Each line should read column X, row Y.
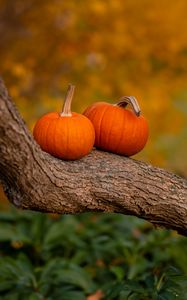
column 107, row 49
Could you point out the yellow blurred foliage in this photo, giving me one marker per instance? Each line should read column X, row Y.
column 107, row 49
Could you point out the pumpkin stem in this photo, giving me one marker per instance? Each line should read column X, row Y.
column 66, row 109
column 125, row 100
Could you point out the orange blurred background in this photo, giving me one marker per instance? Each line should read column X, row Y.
column 107, row 49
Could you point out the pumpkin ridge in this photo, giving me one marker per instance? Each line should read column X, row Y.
column 134, row 133
column 82, row 135
column 37, row 132
column 91, row 133
column 67, row 135
column 110, row 131
column 126, row 128
column 43, row 135
column 49, row 150
column 92, row 116
column 101, row 123
column 121, row 136
column 54, row 143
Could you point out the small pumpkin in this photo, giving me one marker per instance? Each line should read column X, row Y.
column 117, row 129
column 67, row 135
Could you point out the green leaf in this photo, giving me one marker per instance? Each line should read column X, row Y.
column 35, row 296
column 9, row 233
column 118, row 272
column 75, row 276
column 16, row 273
column 61, row 272
column 62, row 294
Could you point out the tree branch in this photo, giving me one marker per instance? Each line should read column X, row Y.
column 105, row 182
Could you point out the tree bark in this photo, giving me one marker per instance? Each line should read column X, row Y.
column 101, row 181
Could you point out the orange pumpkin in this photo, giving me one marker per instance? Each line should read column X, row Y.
column 67, row 135
column 117, row 129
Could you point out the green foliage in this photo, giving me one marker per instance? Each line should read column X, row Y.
column 72, row 257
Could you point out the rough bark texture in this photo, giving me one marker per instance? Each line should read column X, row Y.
column 33, row 179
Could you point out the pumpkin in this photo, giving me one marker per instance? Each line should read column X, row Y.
column 67, row 135
column 117, row 129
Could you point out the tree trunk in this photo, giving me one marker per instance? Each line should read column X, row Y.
column 101, row 181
